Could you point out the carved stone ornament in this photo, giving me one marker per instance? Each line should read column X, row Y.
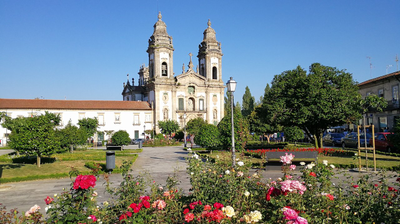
column 215, row 99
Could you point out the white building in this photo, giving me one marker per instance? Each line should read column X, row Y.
column 197, row 92
column 132, row 116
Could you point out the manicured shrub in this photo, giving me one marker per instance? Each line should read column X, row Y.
column 120, row 138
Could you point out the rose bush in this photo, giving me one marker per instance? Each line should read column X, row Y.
column 222, row 194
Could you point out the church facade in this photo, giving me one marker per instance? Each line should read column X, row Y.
column 196, row 92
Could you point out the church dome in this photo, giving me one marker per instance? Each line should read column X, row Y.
column 209, row 33
column 160, row 36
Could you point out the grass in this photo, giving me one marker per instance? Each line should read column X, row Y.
column 382, row 161
column 62, row 165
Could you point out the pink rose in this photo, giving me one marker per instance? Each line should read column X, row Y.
column 290, row 213
column 301, row 220
column 189, row 217
column 160, row 204
column 92, row 217
column 292, row 167
column 48, row 200
column 32, row 210
column 287, row 159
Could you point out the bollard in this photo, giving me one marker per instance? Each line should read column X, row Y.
column 110, row 160
column 140, row 144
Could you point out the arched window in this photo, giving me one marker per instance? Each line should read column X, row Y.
column 164, row 69
column 214, row 73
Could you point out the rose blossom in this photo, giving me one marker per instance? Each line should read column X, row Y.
column 227, row 172
column 160, row 204
column 229, row 211
column 301, row 220
column 240, row 174
column 313, row 174
column 292, row 167
column 289, row 213
column 32, row 210
column 189, row 217
column 302, row 163
column 48, row 200
column 255, row 216
column 92, row 217
column 325, row 162
column 218, row 205
column 240, row 163
column 246, row 193
column 84, row 182
column 287, row 159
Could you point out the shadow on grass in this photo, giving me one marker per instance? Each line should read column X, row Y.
column 8, row 166
column 33, row 159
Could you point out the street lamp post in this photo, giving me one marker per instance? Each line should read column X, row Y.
column 231, row 85
column 184, row 124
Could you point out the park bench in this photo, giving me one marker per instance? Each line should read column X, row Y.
column 299, row 156
column 114, row 147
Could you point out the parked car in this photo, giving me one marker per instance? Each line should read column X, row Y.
column 351, row 140
column 382, row 141
column 333, row 139
column 136, row 141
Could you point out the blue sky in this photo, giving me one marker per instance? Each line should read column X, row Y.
column 82, row 50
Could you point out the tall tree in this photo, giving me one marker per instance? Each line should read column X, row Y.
column 89, row 125
column 34, row 135
column 247, row 103
column 227, row 104
column 323, row 98
column 266, row 90
column 260, row 126
column 168, row 127
column 71, row 136
column 194, row 125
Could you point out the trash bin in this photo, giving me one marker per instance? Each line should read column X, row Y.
column 140, row 144
column 110, row 160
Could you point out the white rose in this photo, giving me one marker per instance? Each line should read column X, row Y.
column 246, row 193
column 332, row 166
column 325, row 162
column 302, row 163
column 227, row 172
column 240, row 163
column 195, row 156
column 229, row 211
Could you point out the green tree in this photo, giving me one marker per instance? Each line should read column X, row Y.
column 241, row 131
column 395, row 138
column 120, row 138
column 89, row 125
column 323, row 98
column 227, row 104
column 208, row 136
column 34, row 135
column 293, row 134
column 247, row 103
column 71, row 136
column 168, row 127
column 194, row 125
column 266, row 90
column 261, row 126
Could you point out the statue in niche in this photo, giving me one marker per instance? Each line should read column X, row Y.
column 165, row 114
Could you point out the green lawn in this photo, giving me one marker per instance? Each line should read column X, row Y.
column 56, row 166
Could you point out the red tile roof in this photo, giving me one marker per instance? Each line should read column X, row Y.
column 73, row 104
column 393, row 74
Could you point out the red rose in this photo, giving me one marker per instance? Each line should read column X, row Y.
column 129, row 214
column 146, row 204
column 122, row 217
column 48, row 200
column 313, row 174
column 355, row 186
column 330, row 197
column 218, row 205
column 84, row 181
column 185, row 211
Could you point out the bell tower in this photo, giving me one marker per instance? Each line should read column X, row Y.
column 210, row 55
column 160, row 52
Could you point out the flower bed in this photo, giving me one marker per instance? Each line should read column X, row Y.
column 324, row 151
column 223, row 194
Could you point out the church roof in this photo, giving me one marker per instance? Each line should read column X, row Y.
column 73, row 104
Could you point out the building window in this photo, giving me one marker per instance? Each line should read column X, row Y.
column 214, row 73
column 191, row 89
column 147, row 118
column 136, row 134
column 382, row 123
column 201, row 104
column 395, row 93
column 380, row 93
column 136, row 120
column 164, row 69
column 181, row 104
column 100, row 117
column 369, row 93
column 117, row 118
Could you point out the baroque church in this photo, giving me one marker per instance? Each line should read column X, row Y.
column 196, row 92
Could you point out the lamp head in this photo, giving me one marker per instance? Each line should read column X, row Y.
column 231, row 85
